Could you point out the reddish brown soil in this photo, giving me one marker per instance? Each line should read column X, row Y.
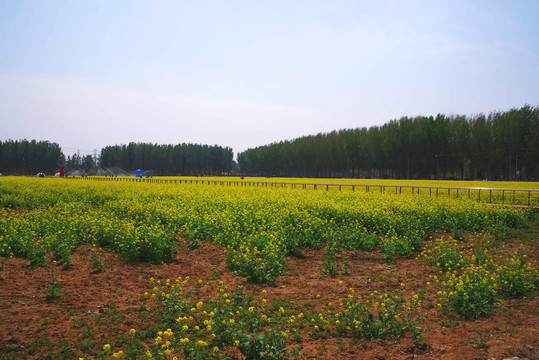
column 65, row 324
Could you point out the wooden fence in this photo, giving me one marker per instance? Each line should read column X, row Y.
column 502, row 196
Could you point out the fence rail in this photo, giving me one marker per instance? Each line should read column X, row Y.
column 507, row 196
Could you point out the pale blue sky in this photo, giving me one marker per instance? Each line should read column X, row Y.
column 87, row 74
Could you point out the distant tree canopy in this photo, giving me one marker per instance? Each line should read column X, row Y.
column 185, row 159
column 78, row 162
column 30, row 157
column 502, row 145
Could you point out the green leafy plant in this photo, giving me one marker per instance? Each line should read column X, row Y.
column 53, row 290
column 96, row 263
column 417, row 338
column 62, row 252
column 480, row 340
column 330, row 265
column 268, row 345
column 345, row 265
column 37, row 255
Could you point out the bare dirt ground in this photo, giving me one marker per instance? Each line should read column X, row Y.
column 94, row 307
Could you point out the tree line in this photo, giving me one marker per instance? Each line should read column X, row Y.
column 80, row 162
column 30, row 157
column 184, row 159
column 502, row 145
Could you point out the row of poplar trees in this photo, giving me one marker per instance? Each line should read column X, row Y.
column 30, row 157
column 180, row 159
column 500, row 145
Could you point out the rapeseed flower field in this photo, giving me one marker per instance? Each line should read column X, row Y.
column 459, row 242
column 258, row 226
